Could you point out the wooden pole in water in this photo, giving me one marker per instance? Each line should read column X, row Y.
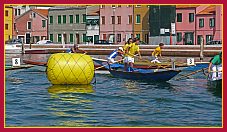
column 22, row 46
column 201, row 49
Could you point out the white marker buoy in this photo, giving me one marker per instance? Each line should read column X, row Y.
column 190, row 61
column 15, row 61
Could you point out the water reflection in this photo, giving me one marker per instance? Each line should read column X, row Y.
column 57, row 89
column 215, row 87
column 137, row 86
column 72, row 102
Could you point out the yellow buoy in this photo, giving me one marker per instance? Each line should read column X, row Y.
column 68, row 68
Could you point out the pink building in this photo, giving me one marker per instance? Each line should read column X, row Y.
column 32, row 25
column 116, row 23
column 194, row 23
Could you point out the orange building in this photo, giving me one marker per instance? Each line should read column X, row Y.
column 141, row 22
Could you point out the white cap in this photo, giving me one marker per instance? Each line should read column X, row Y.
column 120, row 48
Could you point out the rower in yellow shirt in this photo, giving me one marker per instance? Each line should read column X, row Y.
column 125, row 47
column 156, row 52
column 132, row 49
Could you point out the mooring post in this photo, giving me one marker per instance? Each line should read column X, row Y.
column 22, row 46
column 201, row 49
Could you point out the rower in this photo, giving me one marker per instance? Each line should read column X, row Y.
column 156, row 52
column 132, row 49
column 126, row 63
column 216, row 67
column 117, row 52
column 75, row 49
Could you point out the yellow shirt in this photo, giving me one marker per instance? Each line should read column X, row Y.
column 125, row 47
column 157, row 51
column 133, row 48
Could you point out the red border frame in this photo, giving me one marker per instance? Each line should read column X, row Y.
column 2, row 74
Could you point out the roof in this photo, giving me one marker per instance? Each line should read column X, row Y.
column 187, row 6
column 43, row 12
column 67, row 7
column 209, row 10
column 93, row 10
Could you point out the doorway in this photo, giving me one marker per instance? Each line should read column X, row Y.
column 28, row 38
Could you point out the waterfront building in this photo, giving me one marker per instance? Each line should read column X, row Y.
column 67, row 24
column 162, row 24
column 197, row 22
column 31, row 26
column 92, row 24
column 8, row 25
column 116, row 23
column 141, row 22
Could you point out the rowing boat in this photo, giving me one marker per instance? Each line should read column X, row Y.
column 148, row 65
column 145, row 74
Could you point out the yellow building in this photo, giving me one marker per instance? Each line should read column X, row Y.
column 141, row 22
column 8, row 25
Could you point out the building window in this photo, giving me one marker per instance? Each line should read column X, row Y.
column 59, row 38
column 15, row 12
column 6, row 26
column 18, row 12
column 15, row 26
column 43, row 23
column 201, row 22
column 129, row 5
column 113, row 19
column 191, row 17
column 113, row 6
column 129, row 19
column 103, row 20
column 77, row 18
column 29, row 25
column 51, row 19
column 64, row 19
column 118, row 37
column 51, row 37
column 138, row 19
column 71, row 19
column 212, row 22
column 6, row 13
column 199, row 39
column 59, row 19
column 179, row 17
column 118, row 19
column 119, row 6
column 104, row 36
column 33, row 14
column 90, row 39
column 84, row 18
column 71, row 38
column 138, row 36
column 209, row 38
column 84, row 38
column 179, row 37
column 189, row 38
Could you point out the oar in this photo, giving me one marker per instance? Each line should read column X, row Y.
column 192, row 73
column 164, row 67
column 108, row 64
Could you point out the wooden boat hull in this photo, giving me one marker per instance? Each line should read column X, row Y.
column 215, row 84
column 150, row 76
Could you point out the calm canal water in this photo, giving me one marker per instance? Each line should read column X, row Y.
column 32, row 101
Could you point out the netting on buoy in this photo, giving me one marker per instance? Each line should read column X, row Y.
column 67, row 68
